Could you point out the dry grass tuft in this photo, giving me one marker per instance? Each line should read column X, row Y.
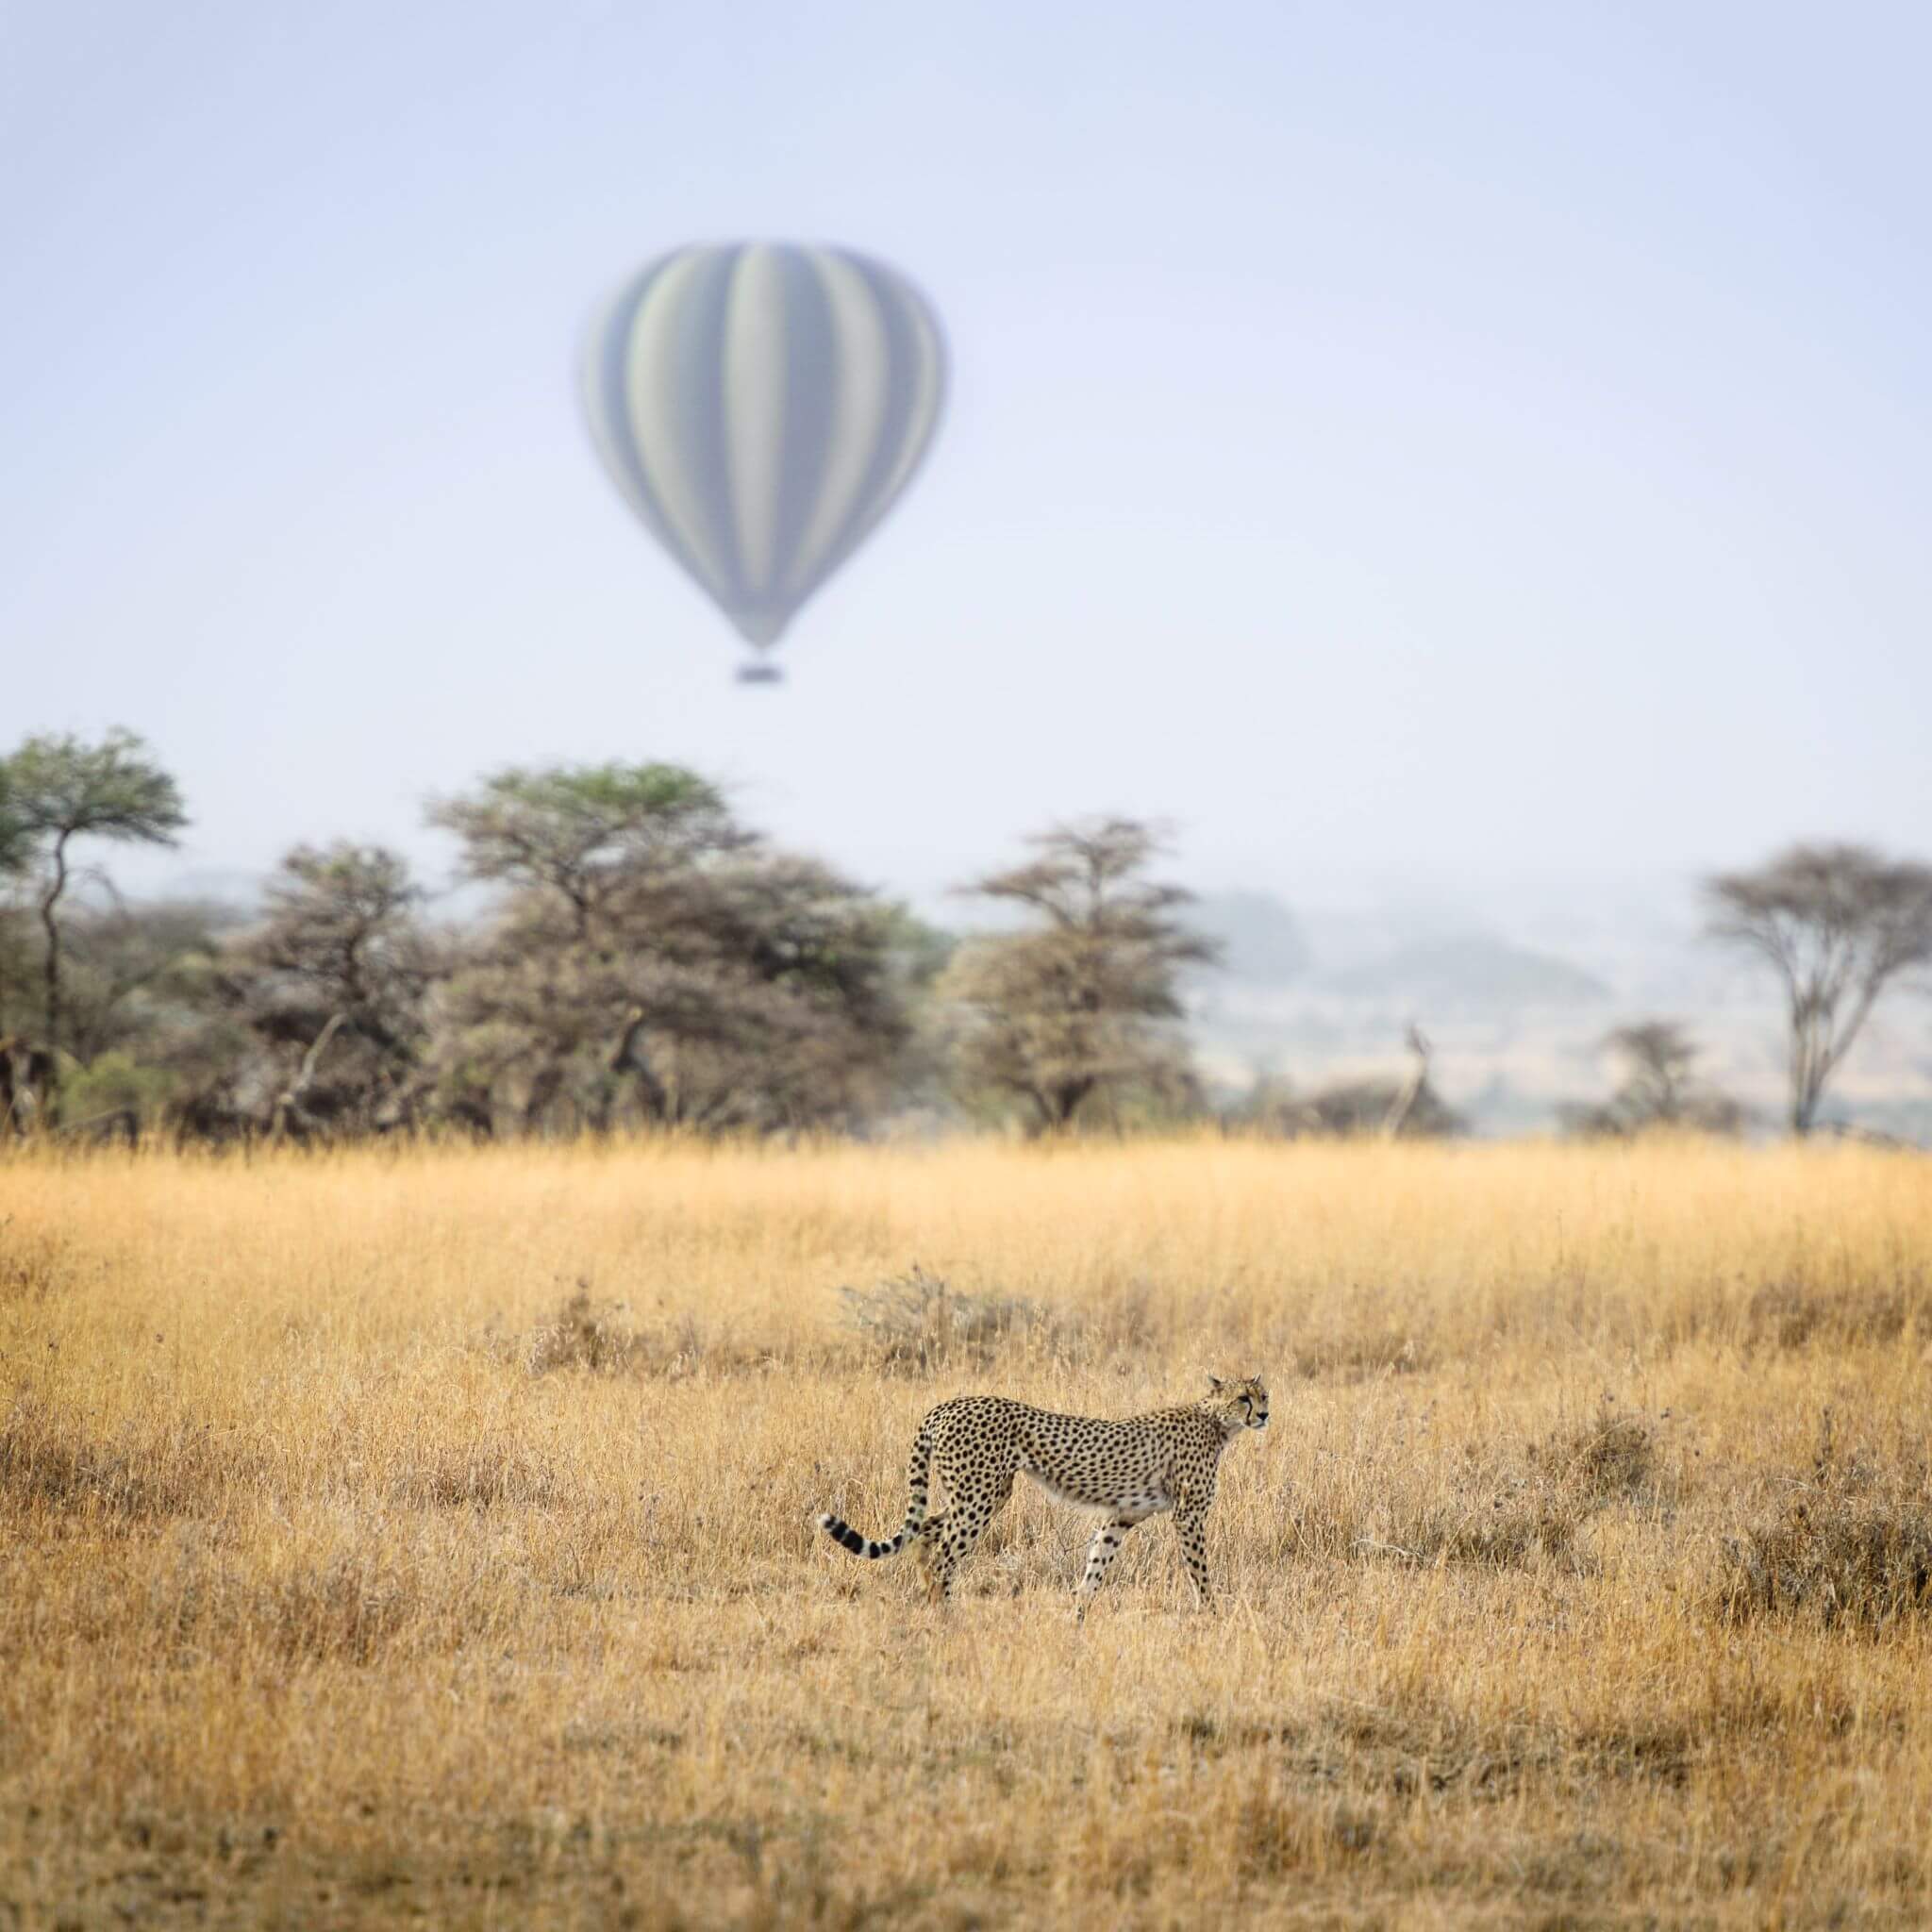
column 590, row 1335
column 1612, row 1459
column 1790, row 1315
column 1851, row 1547
column 55, row 1470
column 36, row 1263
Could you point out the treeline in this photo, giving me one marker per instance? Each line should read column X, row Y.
column 644, row 959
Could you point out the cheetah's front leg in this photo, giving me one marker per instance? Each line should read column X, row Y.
column 1191, row 1524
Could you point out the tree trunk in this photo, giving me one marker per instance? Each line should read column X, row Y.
column 625, row 1058
column 1067, row 1097
column 1807, row 1074
column 287, row 1114
column 50, row 899
column 1411, row 1089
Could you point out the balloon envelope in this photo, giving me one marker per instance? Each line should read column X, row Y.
column 761, row 406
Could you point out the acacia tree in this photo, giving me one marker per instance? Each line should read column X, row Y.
column 314, row 1019
column 1075, row 1005
column 1661, row 1087
column 58, row 790
column 341, row 967
column 654, row 959
column 1838, row 923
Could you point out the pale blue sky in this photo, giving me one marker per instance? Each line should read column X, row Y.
column 1441, row 441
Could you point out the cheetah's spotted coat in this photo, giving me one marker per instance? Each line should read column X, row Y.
column 1131, row 1470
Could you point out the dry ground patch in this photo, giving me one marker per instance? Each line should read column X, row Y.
column 426, row 1535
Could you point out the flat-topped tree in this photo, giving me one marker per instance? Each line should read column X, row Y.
column 1839, row 922
column 573, row 830
column 59, row 790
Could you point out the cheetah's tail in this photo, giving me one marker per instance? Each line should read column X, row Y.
column 917, row 1497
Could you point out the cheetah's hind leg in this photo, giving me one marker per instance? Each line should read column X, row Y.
column 927, row 1546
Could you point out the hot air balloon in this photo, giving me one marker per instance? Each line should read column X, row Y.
column 761, row 406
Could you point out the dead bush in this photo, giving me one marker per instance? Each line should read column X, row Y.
column 588, row 1334
column 915, row 1324
column 1851, row 1547
column 1609, row 1459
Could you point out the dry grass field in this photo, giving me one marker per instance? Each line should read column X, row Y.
column 426, row 1535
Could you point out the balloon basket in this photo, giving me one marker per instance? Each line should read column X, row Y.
column 759, row 673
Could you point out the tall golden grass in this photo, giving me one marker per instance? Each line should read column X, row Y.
column 428, row 1534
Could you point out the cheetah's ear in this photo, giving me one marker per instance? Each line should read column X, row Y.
column 1215, row 1383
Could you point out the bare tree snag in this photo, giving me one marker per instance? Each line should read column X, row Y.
column 288, row 1112
column 1411, row 1088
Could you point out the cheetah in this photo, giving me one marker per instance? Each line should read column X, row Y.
column 1131, row 1470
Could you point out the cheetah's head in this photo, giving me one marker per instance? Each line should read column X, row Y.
column 1241, row 1405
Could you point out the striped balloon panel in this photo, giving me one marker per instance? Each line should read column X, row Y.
column 760, row 407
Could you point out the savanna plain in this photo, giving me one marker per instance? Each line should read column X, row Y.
column 427, row 1534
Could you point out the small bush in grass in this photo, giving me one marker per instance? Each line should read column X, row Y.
column 585, row 1334
column 1607, row 1460
column 1512, row 1515
column 1852, row 1547
column 914, row 1321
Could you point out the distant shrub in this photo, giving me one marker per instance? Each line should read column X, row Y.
column 587, row 1334
column 1609, row 1460
column 1516, row 1515
column 914, row 1321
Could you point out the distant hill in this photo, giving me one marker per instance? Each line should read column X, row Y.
column 1263, row 941
column 1471, row 971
